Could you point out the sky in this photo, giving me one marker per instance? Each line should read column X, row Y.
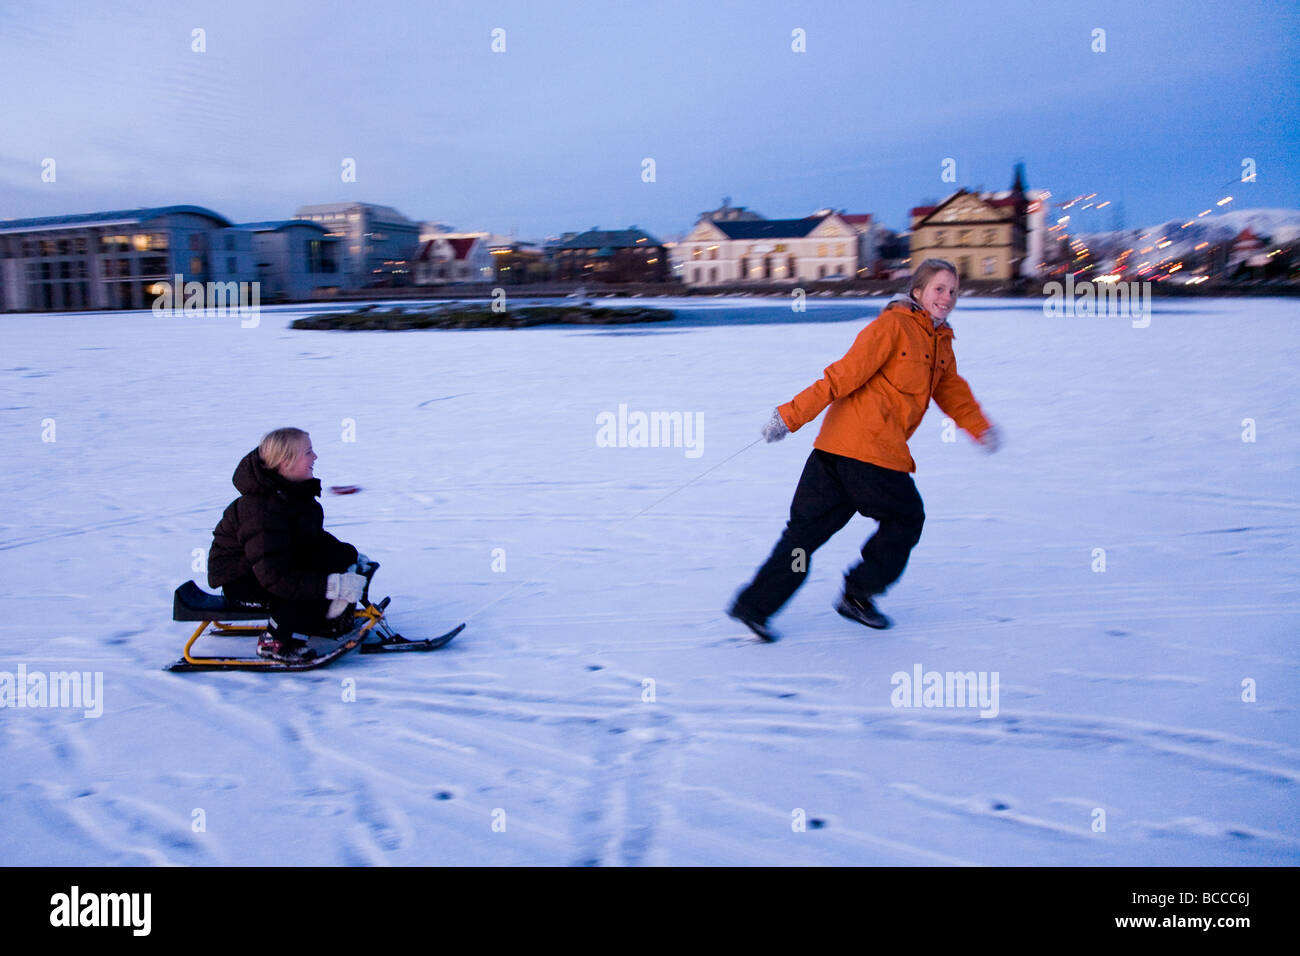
column 552, row 133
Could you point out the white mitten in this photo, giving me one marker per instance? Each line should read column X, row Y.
column 776, row 429
column 345, row 587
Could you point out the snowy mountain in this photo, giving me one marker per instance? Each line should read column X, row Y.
column 1278, row 226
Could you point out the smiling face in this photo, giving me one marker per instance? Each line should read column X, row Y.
column 940, row 294
column 299, row 467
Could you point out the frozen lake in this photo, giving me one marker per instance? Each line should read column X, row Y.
column 1127, row 565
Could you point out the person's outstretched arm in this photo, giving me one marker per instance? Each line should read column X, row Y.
column 954, row 398
column 869, row 351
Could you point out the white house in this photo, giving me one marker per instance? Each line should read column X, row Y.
column 717, row 252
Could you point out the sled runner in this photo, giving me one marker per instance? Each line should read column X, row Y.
column 370, row 631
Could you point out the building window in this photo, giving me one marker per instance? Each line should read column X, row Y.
column 939, row 238
column 963, row 237
column 988, row 265
column 821, row 253
column 839, row 248
column 990, row 236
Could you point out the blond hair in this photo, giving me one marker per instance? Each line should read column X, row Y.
column 925, row 271
column 279, row 447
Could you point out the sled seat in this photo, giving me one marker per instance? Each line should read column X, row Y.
column 192, row 603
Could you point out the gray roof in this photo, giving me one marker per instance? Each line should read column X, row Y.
column 275, row 225
column 142, row 214
column 768, row 228
column 372, row 208
column 607, row 240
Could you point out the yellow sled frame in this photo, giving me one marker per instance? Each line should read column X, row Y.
column 372, row 614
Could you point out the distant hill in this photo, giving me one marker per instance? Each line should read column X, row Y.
column 1278, row 226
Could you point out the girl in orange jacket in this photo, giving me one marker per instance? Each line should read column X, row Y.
column 860, row 463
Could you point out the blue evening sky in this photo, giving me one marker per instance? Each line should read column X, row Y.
column 550, row 135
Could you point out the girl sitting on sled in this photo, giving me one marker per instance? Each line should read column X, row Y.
column 271, row 548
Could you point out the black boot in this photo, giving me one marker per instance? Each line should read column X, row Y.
column 760, row 628
column 862, row 610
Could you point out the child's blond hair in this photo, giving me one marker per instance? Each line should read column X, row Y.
column 280, row 446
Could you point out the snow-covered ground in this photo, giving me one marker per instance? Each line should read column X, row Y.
column 538, row 738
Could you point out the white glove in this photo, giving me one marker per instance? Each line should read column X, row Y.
column 776, row 429
column 991, row 440
column 346, row 587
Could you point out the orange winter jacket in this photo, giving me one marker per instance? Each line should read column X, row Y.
column 879, row 391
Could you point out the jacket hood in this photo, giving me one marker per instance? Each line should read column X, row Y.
column 253, row 477
column 908, row 302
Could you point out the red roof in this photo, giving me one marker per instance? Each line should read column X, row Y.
column 857, row 219
column 461, row 247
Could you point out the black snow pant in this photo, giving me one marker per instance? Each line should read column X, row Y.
column 832, row 489
column 287, row 616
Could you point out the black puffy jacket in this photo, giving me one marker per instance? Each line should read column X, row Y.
column 275, row 528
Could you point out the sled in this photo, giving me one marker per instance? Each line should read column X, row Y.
column 219, row 617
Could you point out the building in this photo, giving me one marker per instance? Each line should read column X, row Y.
column 294, row 258
column 117, row 259
column 446, row 256
column 604, row 255
column 984, row 235
column 518, row 263
column 894, row 257
column 377, row 242
column 1247, row 255
column 717, row 252
column 870, row 236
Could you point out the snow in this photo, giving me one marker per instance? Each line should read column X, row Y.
column 1119, row 690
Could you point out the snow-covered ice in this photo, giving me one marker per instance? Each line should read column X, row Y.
column 532, row 740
